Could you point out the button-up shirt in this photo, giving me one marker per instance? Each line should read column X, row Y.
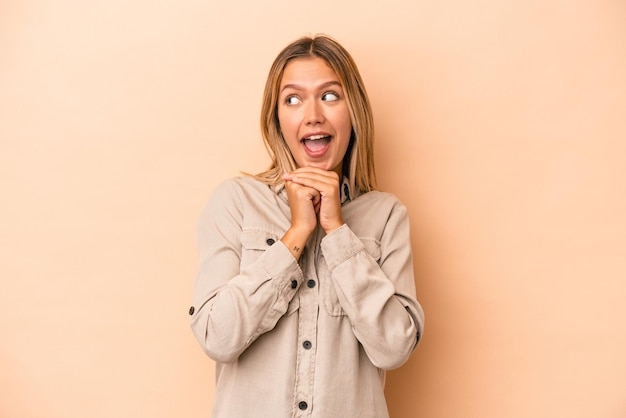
column 307, row 338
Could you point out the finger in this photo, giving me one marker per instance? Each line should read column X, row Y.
column 316, row 180
column 301, row 191
column 316, row 199
column 317, row 205
column 311, row 172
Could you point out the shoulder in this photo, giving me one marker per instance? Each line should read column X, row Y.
column 238, row 187
column 372, row 212
column 380, row 200
column 233, row 197
column 376, row 215
column 241, row 193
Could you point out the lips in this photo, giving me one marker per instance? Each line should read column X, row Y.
column 316, row 145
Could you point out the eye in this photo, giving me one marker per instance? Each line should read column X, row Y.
column 330, row 96
column 292, row 100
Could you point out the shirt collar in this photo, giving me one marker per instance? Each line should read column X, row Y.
column 346, row 191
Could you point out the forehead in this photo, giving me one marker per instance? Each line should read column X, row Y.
column 308, row 71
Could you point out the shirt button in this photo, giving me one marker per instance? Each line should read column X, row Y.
column 303, row 405
column 192, row 310
column 311, row 283
column 307, row 345
column 270, row 241
column 294, row 284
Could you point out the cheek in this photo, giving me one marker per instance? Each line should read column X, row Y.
column 343, row 118
column 286, row 124
column 346, row 124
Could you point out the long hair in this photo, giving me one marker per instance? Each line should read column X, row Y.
column 358, row 162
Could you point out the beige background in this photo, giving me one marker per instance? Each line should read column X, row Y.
column 501, row 125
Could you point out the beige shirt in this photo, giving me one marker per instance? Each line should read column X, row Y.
column 311, row 338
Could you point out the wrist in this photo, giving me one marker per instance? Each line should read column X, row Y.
column 332, row 227
column 295, row 239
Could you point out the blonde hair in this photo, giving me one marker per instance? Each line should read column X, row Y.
column 358, row 162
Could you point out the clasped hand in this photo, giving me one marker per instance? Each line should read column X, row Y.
column 314, row 196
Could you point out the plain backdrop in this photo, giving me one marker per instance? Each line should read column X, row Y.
column 500, row 124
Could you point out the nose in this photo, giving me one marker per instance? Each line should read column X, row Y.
column 314, row 113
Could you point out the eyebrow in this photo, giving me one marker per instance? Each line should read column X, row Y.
column 320, row 87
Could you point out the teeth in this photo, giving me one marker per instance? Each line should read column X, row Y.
column 316, row 137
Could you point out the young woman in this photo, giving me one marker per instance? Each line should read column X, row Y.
column 305, row 292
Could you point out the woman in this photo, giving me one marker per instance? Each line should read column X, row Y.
column 305, row 293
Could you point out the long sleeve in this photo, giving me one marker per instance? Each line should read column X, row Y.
column 245, row 281
column 310, row 337
column 374, row 283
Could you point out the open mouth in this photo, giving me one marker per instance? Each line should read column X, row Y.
column 316, row 144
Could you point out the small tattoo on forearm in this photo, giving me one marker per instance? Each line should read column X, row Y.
column 296, row 249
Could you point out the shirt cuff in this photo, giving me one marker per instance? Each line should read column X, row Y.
column 281, row 266
column 340, row 245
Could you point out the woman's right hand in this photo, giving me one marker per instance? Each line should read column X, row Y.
column 304, row 203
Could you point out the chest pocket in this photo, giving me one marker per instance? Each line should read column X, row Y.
column 331, row 301
column 254, row 242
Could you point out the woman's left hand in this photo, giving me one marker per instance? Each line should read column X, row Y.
column 327, row 184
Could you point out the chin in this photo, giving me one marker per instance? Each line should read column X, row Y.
column 322, row 166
